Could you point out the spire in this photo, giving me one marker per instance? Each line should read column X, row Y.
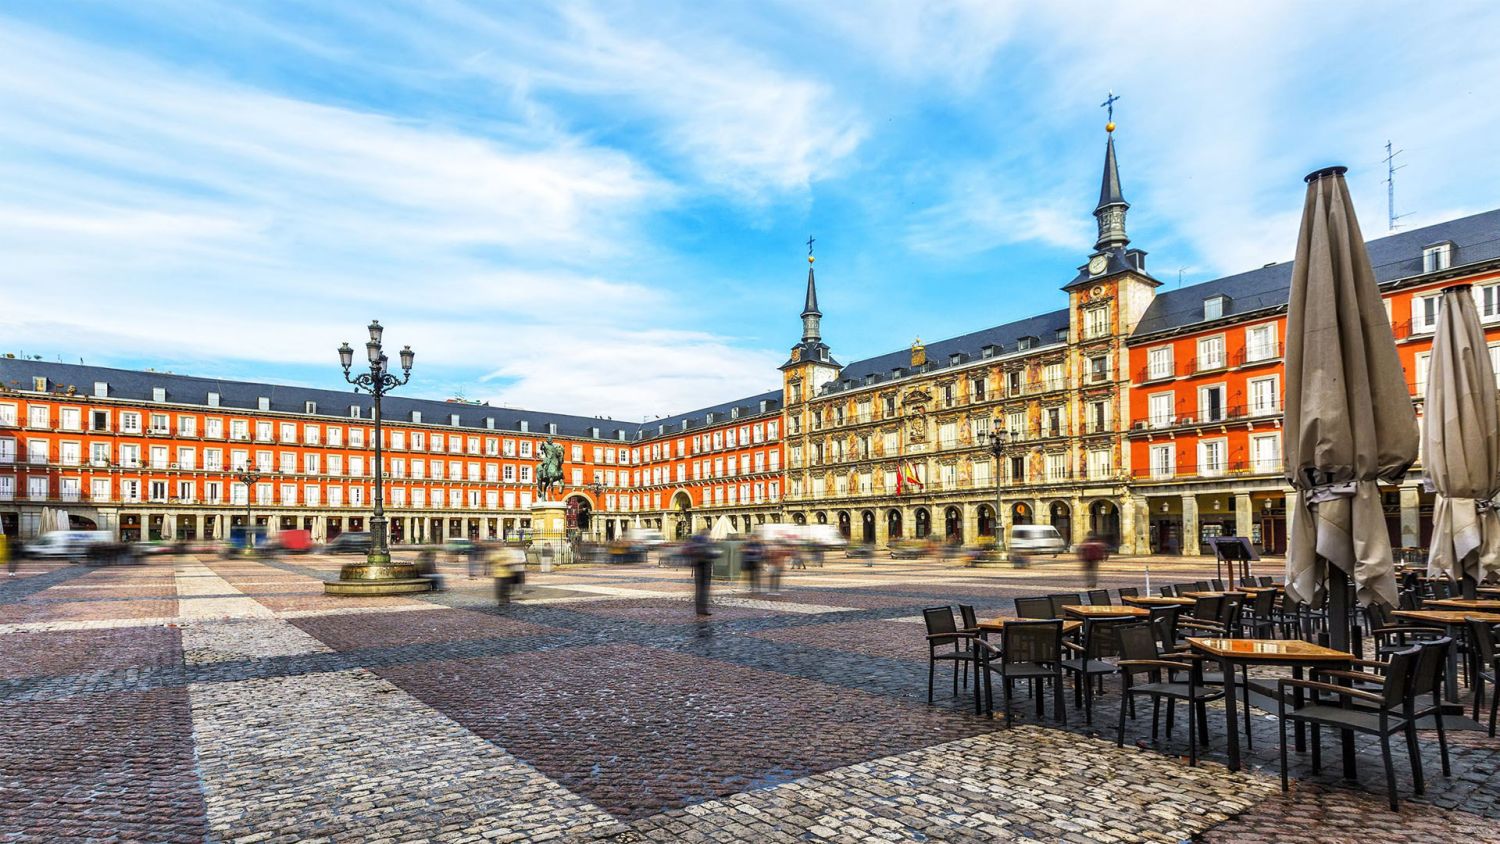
column 811, row 317
column 1112, row 205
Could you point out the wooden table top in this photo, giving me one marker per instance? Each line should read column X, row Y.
column 1253, row 590
column 1226, row 593
column 1489, row 590
column 1105, row 611
column 1268, row 650
column 1446, row 616
column 1156, row 601
column 998, row 624
column 1490, row 605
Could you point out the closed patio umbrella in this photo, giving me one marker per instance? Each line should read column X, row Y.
column 1350, row 425
column 1461, row 445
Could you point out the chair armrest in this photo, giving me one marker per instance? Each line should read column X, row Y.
column 1341, row 691
column 1403, row 629
column 1359, row 676
column 1368, row 663
column 982, row 645
column 1072, row 646
column 958, row 635
column 1153, row 663
column 1201, row 625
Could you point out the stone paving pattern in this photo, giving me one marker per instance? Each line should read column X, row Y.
column 197, row 698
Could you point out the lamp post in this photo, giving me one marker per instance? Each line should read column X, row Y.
column 996, row 439
column 598, row 490
column 248, row 477
column 377, row 575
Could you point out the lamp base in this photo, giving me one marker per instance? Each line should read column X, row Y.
column 380, row 579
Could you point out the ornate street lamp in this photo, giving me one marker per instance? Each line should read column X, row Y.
column 598, row 490
column 996, row 439
column 248, row 477
column 377, row 575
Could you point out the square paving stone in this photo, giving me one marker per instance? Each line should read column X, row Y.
column 638, row 730
column 118, row 763
column 664, row 611
column 41, row 609
column 890, row 639
column 59, row 653
column 414, row 627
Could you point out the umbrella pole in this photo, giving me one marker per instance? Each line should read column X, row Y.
column 1338, row 608
column 1470, row 587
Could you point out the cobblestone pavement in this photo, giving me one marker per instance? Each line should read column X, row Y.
column 197, row 699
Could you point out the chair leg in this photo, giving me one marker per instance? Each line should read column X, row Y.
column 1437, row 716
column 1281, row 721
column 1317, row 747
column 1203, row 723
column 1192, row 735
column 955, row 678
column 1494, row 704
column 1171, row 713
column 1008, row 717
column 931, row 667
column 1155, row 718
column 1418, row 785
column 1478, row 693
column 1057, row 698
column 1120, row 734
column 1390, row 771
column 1245, row 696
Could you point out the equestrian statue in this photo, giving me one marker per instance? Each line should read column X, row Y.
column 549, row 471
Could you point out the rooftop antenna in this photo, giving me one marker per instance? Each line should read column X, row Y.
column 1390, row 185
column 1180, row 271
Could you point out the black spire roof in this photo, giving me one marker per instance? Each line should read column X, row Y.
column 1109, row 190
column 810, row 307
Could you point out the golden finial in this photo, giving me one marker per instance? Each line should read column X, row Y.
column 1109, row 127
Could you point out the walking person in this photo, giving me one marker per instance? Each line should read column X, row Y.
column 1091, row 553
column 476, row 560
column 751, row 558
column 699, row 551
column 775, row 562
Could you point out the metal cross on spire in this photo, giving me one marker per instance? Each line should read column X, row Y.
column 1109, row 103
column 809, row 245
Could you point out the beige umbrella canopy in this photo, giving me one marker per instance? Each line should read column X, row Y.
column 1350, row 425
column 1461, row 445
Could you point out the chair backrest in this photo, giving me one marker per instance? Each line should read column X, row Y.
column 1441, row 588
column 1128, row 592
column 1032, row 641
column 1265, row 604
column 1101, row 638
column 1482, row 635
column 1218, row 584
column 1200, row 586
column 1034, row 607
column 1247, row 581
column 1379, row 615
column 1409, row 600
column 966, row 611
column 1061, row 600
column 1168, row 591
column 1099, row 597
column 1208, row 609
column 1229, row 612
column 1267, row 580
column 1432, row 663
column 1163, row 624
column 1398, row 677
column 1137, row 641
column 939, row 621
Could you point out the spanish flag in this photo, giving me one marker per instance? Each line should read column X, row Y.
column 907, row 477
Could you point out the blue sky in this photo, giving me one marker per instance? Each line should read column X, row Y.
column 601, row 208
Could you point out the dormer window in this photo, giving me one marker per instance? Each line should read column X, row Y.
column 551, row 427
column 525, row 426
column 354, row 411
column 1061, row 334
column 101, row 390
column 263, row 402
column 453, row 419
column 869, row 379
column 1437, row 257
column 213, row 399
column 989, row 350
column 956, row 358
column 1215, row 307
column 1024, row 343
column 310, row 407
column 158, row 394
column 416, row 416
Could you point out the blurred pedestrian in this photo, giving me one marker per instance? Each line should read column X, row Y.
column 751, row 557
column 699, row 552
column 1091, row 553
column 508, row 568
column 797, row 554
column 427, row 567
column 476, row 560
column 775, row 562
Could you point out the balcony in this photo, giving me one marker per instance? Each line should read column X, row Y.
column 1258, row 353
column 1158, row 372
column 1207, row 363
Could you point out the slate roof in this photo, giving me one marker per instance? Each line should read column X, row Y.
column 722, row 412
column 1475, row 238
column 1006, row 337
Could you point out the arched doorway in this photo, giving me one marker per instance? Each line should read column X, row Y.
column 682, row 525
column 986, row 520
column 580, row 514
column 1061, row 517
column 844, row 528
column 1020, row 514
column 799, row 518
column 923, row 519
column 893, row 524
column 867, row 519
column 822, row 517
column 1104, row 522
column 953, row 525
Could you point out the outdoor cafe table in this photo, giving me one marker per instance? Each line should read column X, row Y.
column 1149, row 601
column 1454, row 621
column 1104, row 611
column 1288, row 652
column 1493, row 591
column 1471, row 604
column 997, row 625
column 1238, row 593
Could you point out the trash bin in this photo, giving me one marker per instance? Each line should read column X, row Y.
column 727, row 564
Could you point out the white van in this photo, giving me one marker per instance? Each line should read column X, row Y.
column 1036, row 539
column 69, row 544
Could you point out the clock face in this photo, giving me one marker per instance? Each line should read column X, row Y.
column 1098, row 264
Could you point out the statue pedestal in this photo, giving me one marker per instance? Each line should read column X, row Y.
column 549, row 535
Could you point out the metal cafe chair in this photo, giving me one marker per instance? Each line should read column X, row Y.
column 1034, row 607
column 1170, row 677
column 1029, row 650
column 943, row 641
column 1099, row 597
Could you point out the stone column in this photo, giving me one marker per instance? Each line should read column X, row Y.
column 1411, row 515
column 970, row 522
column 1132, row 515
column 320, row 529
column 1190, row 543
column 882, row 528
column 1081, row 519
column 1244, row 515
column 1002, row 522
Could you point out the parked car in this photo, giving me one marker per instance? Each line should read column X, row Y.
column 294, row 541
column 353, row 542
column 66, row 544
column 1028, row 540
